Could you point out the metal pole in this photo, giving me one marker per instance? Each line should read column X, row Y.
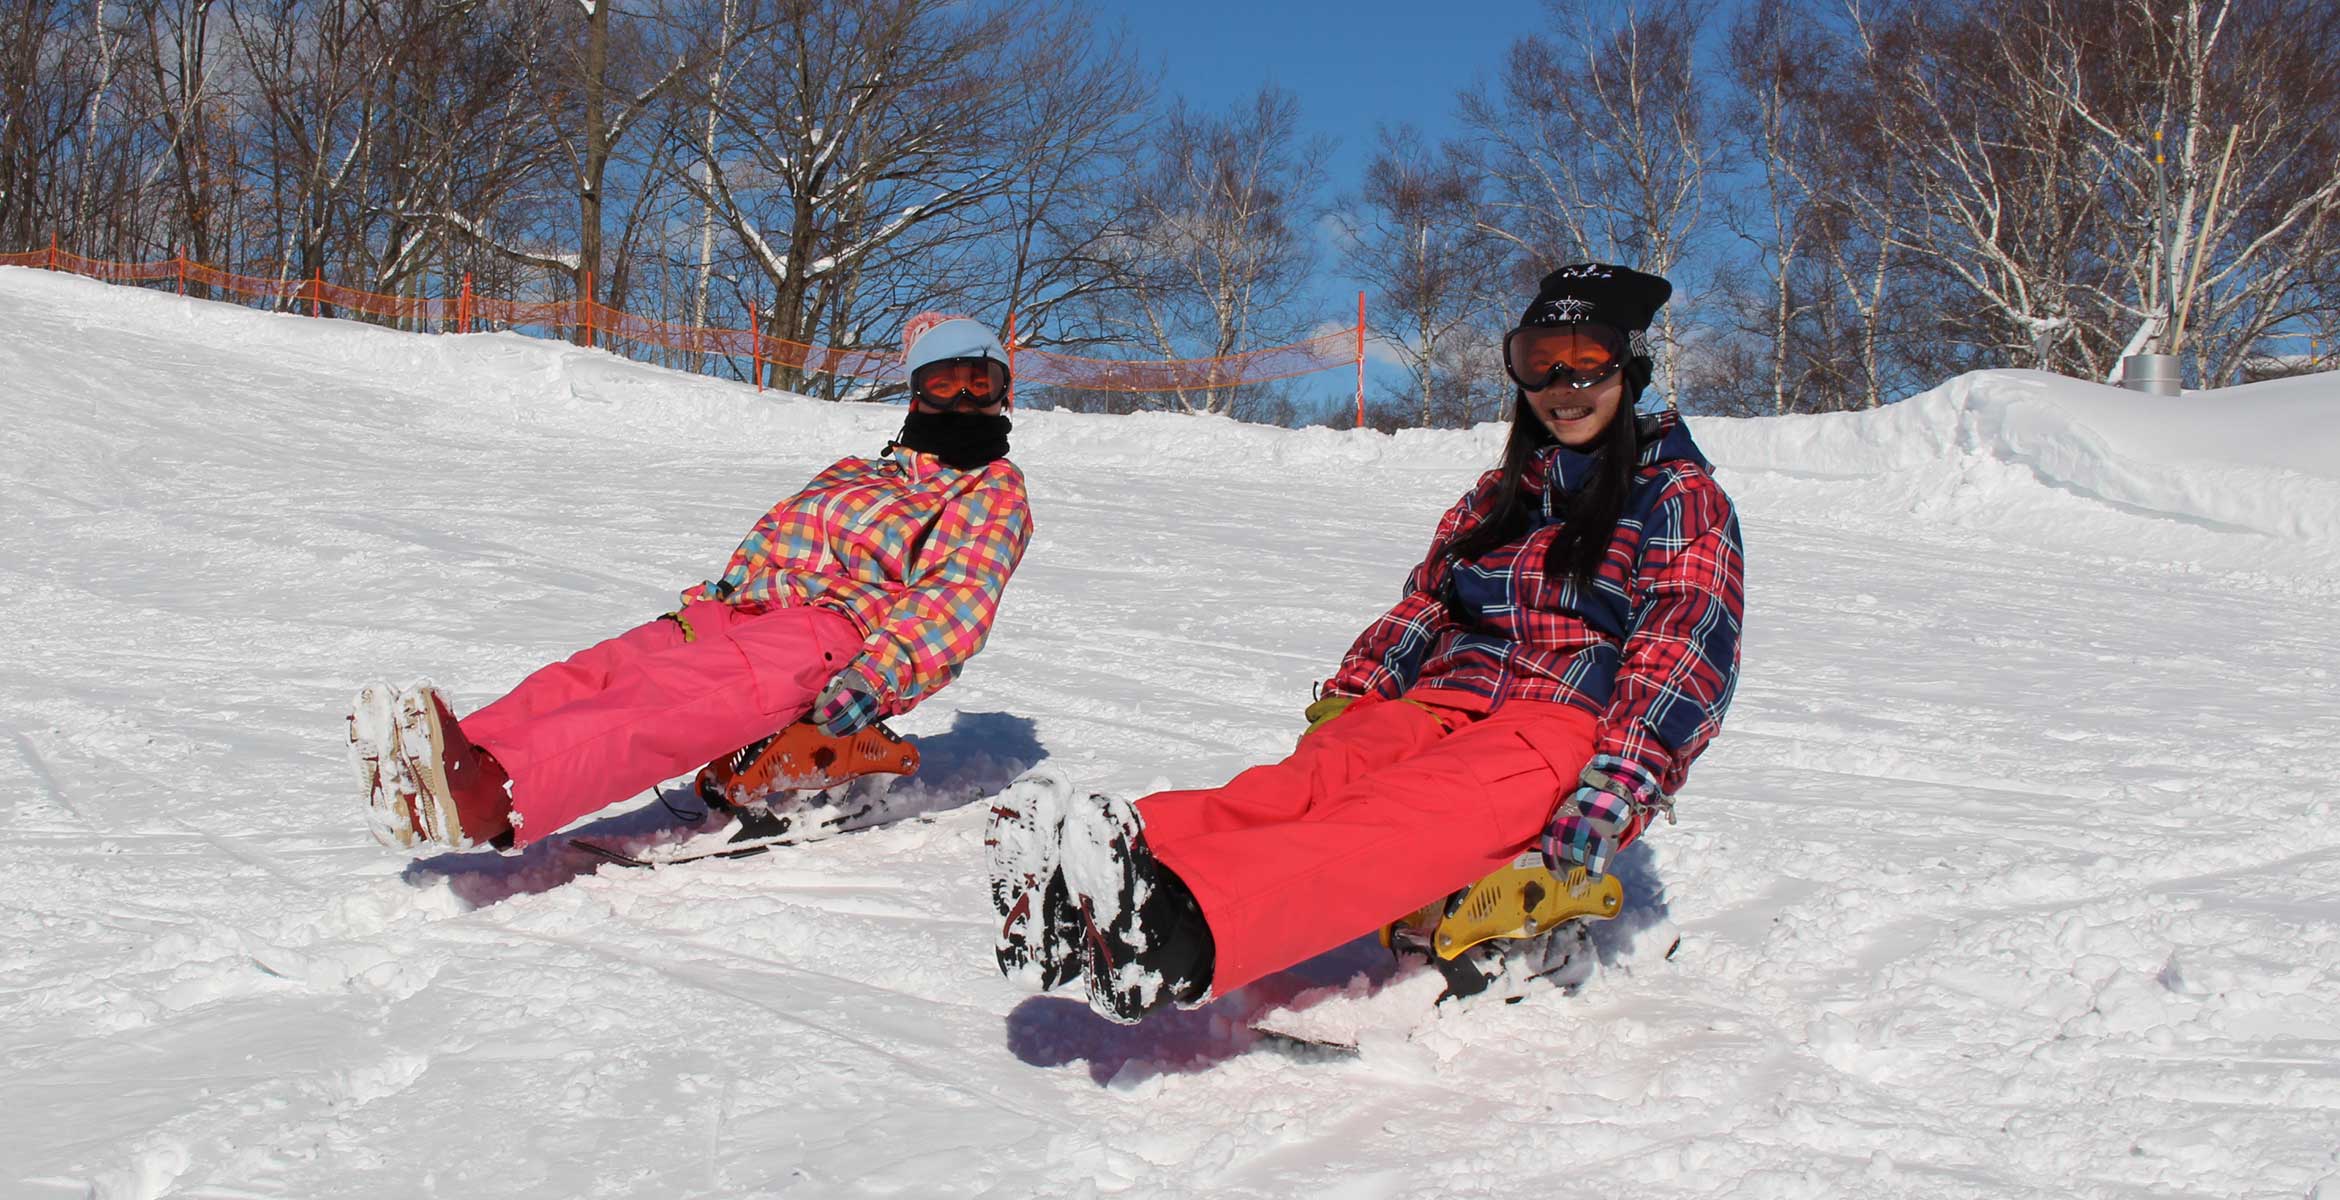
column 2162, row 283
column 1011, row 349
column 1360, row 360
column 756, row 341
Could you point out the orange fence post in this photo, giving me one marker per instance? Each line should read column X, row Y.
column 1360, row 360
column 463, row 307
column 52, row 249
column 179, row 260
column 585, row 308
column 1011, row 392
column 317, row 294
column 756, row 342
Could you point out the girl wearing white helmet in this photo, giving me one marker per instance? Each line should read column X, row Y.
column 854, row 599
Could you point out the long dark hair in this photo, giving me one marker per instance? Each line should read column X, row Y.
column 1590, row 516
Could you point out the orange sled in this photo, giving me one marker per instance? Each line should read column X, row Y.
column 801, row 758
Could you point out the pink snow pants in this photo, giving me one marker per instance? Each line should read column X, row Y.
column 1374, row 815
column 619, row 716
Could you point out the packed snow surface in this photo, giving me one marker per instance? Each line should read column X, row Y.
column 2015, row 873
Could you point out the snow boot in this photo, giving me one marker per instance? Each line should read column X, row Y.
column 1039, row 933
column 373, row 754
column 1144, row 942
column 459, row 799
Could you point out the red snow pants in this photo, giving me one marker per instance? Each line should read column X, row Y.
column 1374, row 815
column 644, row 706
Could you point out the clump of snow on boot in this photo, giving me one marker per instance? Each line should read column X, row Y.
column 1020, row 857
column 1094, row 852
column 373, row 756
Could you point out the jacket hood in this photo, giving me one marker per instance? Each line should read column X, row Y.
column 1664, row 438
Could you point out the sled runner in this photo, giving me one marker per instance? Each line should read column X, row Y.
column 798, row 785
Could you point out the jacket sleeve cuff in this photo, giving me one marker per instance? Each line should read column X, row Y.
column 1610, row 806
column 1625, row 778
column 873, row 681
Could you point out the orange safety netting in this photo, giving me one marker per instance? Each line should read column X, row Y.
column 467, row 311
column 1337, row 349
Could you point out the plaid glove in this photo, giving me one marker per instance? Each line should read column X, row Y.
column 844, row 707
column 1591, row 825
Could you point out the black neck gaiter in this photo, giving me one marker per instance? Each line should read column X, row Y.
column 962, row 440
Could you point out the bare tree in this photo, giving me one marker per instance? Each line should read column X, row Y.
column 1415, row 236
column 1219, row 243
column 710, row 103
column 200, row 151
column 621, row 68
column 2067, row 230
column 885, row 154
column 1768, row 54
column 314, row 70
column 1074, row 142
column 41, row 85
column 465, row 152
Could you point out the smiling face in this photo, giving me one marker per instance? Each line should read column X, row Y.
column 1578, row 416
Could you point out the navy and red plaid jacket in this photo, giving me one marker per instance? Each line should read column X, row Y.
column 1652, row 648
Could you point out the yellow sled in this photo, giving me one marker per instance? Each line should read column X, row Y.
column 1520, row 901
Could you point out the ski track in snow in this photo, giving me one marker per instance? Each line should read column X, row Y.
column 2015, row 873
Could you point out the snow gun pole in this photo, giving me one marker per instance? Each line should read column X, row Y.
column 2164, row 234
column 756, row 341
column 1360, row 360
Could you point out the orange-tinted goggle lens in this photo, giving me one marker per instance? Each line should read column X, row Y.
column 953, row 382
column 1581, row 355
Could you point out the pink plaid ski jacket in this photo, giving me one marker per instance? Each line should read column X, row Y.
column 917, row 553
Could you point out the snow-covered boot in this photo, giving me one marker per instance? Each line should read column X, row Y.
column 1039, row 933
column 459, row 799
column 373, row 754
column 1144, row 942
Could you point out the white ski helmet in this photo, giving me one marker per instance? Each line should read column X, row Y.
column 934, row 337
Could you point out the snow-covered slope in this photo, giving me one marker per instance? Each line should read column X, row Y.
column 2015, row 874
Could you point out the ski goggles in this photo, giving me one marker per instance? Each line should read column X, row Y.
column 960, row 383
column 1579, row 355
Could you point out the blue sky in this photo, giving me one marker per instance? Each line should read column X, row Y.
column 1355, row 66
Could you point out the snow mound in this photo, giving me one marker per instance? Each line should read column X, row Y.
column 2261, row 459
